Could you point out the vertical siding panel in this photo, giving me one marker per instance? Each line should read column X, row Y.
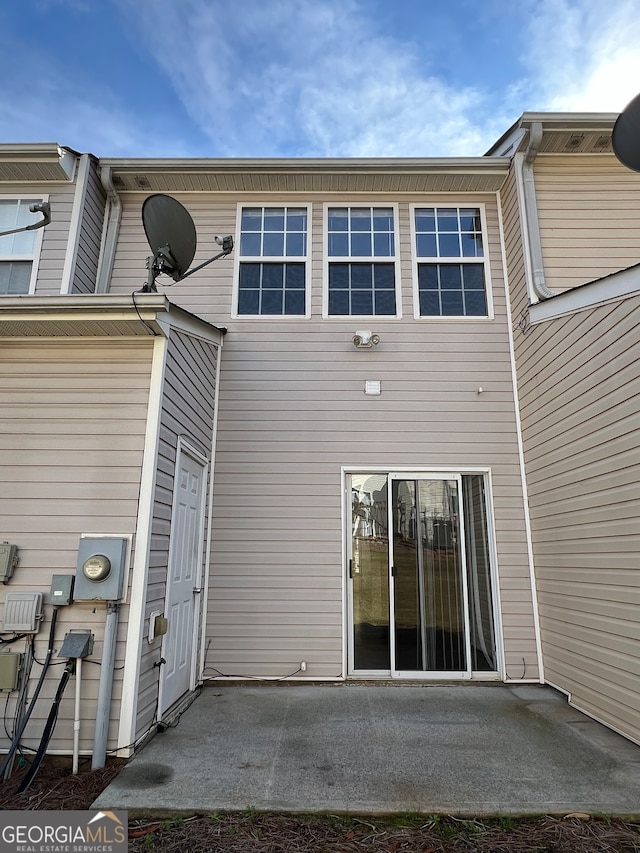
column 187, row 412
column 84, row 279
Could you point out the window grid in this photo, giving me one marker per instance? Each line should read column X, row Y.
column 366, row 286
column 451, row 268
column 270, row 282
column 17, row 251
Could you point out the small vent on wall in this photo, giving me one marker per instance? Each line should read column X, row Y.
column 602, row 143
column 142, row 182
column 575, row 142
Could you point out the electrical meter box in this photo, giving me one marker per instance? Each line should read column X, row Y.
column 100, row 570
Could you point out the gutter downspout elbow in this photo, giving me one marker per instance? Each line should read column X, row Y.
column 110, row 231
column 531, row 213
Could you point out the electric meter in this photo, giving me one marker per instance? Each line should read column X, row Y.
column 97, row 567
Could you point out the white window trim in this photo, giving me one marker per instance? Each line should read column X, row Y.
column 395, row 260
column 238, row 259
column 37, row 247
column 415, row 260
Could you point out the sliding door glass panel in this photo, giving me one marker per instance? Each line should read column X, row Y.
column 430, row 632
column 483, row 646
column 444, row 616
column 370, row 571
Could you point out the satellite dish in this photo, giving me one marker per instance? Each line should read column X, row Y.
column 172, row 238
column 626, row 135
column 171, row 234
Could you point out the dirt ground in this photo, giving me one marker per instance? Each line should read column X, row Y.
column 253, row 832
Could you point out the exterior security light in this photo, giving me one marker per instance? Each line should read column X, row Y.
column 365, row 339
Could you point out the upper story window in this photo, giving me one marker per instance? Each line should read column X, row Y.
column 361, row 248
column 273, row 261
column 451, row 265
column 18, row 252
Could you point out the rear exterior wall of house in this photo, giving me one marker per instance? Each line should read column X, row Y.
column 293, row 416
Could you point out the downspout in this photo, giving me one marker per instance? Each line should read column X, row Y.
column 531, row 213
column 110, row 231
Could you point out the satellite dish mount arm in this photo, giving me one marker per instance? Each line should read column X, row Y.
column 162, row 261
column 227, row 248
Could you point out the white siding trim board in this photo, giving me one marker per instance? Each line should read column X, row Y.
column 135, row 628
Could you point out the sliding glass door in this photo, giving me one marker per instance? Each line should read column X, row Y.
column 420, row 593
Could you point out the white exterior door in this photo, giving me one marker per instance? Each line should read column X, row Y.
column 184, row 578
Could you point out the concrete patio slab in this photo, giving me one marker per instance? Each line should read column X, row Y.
column 474, row 749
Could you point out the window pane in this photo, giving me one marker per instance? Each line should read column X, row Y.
column 383, row 219
column 361, row 302
column 272, row 302
column 428, row 277
column 473, row 275
column 294, row 277
column 475, row 303
column 430, row 303
column 425, row 219
column 469, row 219
column 361, row 219
column 339, row 276
column 361, row 245
column 15, row 277
column 296, row 245
column 339, row 245
column 294, row 302
column 249, row 302
column 447, row 219
column 273, row 245
column 250, row 245
column 251, row 219
column 272, row 276
column 339, row 302
column 450, row 277
column 296, row 219
column 274, row 219
column 361, row 276
column 449, row 245
column 383, row 245
column 338, row 219
column 452, row 303
column 426, row 245
column 384, row 276
column 385, row 302
column 472, row 245
column 249, row 276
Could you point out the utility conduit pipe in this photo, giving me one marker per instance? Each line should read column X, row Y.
column 105, row 687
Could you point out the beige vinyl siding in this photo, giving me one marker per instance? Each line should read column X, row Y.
column 72, row 425
column 187, row 412
column 293, row 412
column 589, row 210
column 90, row 236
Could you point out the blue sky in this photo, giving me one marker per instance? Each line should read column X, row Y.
column 305, row 78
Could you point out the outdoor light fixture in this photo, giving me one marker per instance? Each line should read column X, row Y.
column 363, row 339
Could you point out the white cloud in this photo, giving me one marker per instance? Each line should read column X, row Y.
column 304, row 77
column 585, row 54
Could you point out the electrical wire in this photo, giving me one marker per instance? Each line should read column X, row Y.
column 49, row 727
column 25, row 719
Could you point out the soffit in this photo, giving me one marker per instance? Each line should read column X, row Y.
column 36, row 162
column 96, row 316
column 454, row 175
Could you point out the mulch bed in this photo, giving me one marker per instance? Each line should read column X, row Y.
column 252, row 832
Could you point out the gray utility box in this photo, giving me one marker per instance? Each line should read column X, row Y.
column 100, row 570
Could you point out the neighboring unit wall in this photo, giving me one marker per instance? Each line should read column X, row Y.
column 580, row 411
column 589, row 212
column 72, row 425
column 292, row 413
column 187, row 413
